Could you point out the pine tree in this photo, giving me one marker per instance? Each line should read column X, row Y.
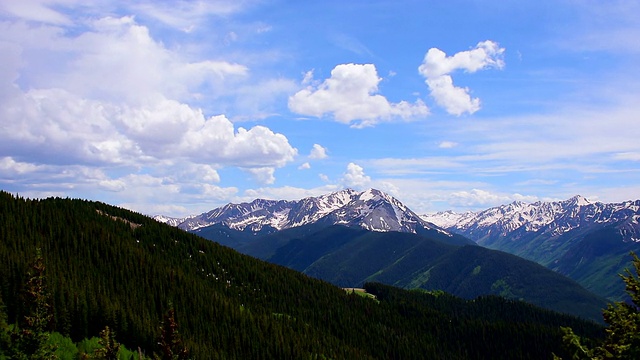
column 5, row 340
column 109, row 348
column 171, row 347
column 622, row 336
column 31, row 340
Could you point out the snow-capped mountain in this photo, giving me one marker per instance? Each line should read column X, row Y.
column 170, row 220
column 587, row 241
column 549, row 218
column 371, row 209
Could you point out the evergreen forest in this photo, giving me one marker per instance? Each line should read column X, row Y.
column 107, row 273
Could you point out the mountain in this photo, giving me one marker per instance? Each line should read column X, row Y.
column 587, row 241
column 349, row 257
column 107, row 266
column 371, row 210
column 349, row 238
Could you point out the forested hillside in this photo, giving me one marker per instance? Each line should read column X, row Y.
column 350, row 257
column 107, row 266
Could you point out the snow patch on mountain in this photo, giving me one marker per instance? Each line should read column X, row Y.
column 371, row 209
column 552, row 218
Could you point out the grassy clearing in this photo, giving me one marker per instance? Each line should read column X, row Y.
column 361, row 292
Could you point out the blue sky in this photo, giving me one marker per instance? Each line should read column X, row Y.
column 177, row 107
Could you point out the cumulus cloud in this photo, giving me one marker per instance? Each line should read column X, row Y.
column 263, row 175
column 11, row 167
column 119, row 60
column 108, row 107
column 437, row 67
column 59, row 126
column 318, row 152
column 355, row 177
column 350, row 96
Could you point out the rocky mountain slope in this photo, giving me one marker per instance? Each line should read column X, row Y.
column 371, row 210
column 588, row 241
column 349, row 238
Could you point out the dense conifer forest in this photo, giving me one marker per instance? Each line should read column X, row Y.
column 110, row 268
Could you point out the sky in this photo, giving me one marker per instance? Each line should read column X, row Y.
column 179, row 107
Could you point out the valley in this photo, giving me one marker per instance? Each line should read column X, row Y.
column 587, row 241
column 349, row 238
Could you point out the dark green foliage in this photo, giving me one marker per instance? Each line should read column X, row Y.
column 622, row 340
column 65, row 348
column 486, row 325
column 596, row 259
column 471, row 271
column 5, row 340
column 31, row 339
column 171, row 346
column 111, row 267
column 109, row 347
column 593, row 255
column 349, row 257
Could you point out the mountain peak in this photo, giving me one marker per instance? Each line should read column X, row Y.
column 555, row 218
column 371, row 209
column 579, row 200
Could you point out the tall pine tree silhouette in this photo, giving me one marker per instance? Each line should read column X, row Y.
column 171, row 346
column 31, row 339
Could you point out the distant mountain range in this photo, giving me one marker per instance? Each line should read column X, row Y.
column 349, row 238
column 371, row 210
column 587, row 241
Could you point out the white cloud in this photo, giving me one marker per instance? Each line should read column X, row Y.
column 185, row 15
column 305, row 166
column 318, row 152
column 631, row 156
column 355, row 177
column 447, row 144
column 36, row 10
column 114, row 95
column 10, row 167
column 119, row 60
column 350, row 95
column 57, row 125
column 114, row 59
column 482, row 198
column 205, row 174
column 284, row 193
column 436, row 68
column 263, row 175
column 99, row 107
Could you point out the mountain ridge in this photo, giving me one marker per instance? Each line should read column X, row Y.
column 349, row 238
column 370, row 209
column 554, row 217
column 587, row 241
